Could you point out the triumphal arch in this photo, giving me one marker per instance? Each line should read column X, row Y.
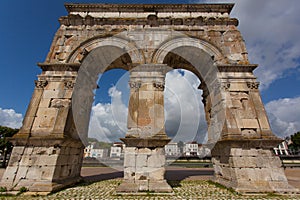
column 147, row 40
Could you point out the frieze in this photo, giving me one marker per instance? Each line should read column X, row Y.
column 41, row 84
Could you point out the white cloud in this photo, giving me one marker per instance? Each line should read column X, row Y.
column 109, row 121
column 284, row 116
column 184, row 111
column 271, row 31
column 9, row 118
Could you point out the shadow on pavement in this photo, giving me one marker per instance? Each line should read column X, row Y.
column 103, row 177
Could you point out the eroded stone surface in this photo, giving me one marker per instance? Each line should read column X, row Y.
column 144, row 170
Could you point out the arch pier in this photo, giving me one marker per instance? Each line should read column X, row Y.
column 144, row 159
column 147, row 40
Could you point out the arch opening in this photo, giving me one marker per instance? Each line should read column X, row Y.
column 95, row 63
column 202, row 64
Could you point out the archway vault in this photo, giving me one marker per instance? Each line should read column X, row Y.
column 147, row 41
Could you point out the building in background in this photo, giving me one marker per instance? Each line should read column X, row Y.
column 172, row 149
column 190, row 149
column 283, row 148
column 117, row 150
column 91, row 151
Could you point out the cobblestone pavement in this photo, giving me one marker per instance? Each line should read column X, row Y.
column 186, row 189
column 100, row 183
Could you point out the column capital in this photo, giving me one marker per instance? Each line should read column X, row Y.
column 41, row 84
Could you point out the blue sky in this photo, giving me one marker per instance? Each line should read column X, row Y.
column 270, row 29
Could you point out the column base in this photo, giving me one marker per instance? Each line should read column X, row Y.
column 139, row 186
column 144, row 170
column 249, row 166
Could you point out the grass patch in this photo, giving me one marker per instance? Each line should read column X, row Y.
column 22, row 190
column 3, row 189
column 272, row 194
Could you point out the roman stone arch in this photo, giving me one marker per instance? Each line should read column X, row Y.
column 148, row 40
column 169, row 46
column 86, row 47
column 101, row 56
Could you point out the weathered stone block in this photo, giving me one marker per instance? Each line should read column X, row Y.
column 47, row 159
column 34, row 173
column 141, row 160
column 130, row 150
column 156, row 160
column 142, row 185
column 159, row 186
column 18, row 150
column 157, row 174
column 48, row 172
column 129, row 160
column 10, row 173
column 146, row 151
column 277, row 174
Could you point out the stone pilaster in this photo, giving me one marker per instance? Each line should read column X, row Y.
column 146, row 126
column 47, row 155
column 144, row 159
column 242, row 157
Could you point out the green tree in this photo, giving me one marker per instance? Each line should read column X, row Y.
column 5, row 145
column 295, row 141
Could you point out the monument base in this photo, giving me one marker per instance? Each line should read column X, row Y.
column 144, row 170
column 249, row 166
column 43, row 165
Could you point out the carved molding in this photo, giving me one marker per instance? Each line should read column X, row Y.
column 237, row 68
column 60, row 103
column 222, row 86
column 69, row 84
column 141, row 8
column 77, row 20
column 225, row 86
column 253, row 85
column 135, row 85
column 59, row 66
column 41, row 84
column 159, row 86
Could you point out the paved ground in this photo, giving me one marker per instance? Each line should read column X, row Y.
column 187, row 183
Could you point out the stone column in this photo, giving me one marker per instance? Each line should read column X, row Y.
column 144, row 159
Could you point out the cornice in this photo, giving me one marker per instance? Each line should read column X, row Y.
column 237, row 68
column 77, row 20
column 59, row 66
column 219, row 8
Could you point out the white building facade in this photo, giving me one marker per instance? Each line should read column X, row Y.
column 172, row 149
